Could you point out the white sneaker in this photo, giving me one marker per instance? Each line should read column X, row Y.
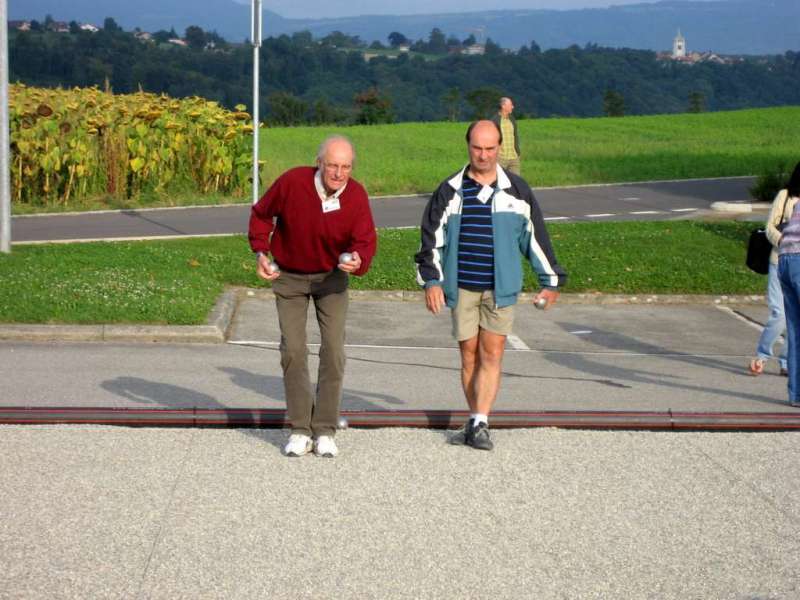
column 298, row 445
column 325, row 446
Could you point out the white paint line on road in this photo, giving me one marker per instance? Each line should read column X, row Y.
column 517, row 343
column 556, row 218
column 117, row 211
column 631, row 199
column 599, row 215
column 736, row 315
column 684, row 209
column 646, row 212
column 124, row 239
column 581, row 332
column 256, row 343
column 642, row 183
column 366, row 346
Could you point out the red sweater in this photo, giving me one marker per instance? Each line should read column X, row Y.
column 304, row 239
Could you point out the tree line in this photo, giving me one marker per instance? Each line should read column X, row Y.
column 340, row 79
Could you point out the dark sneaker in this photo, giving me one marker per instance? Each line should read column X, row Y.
column 459, row 436
column 478, row 437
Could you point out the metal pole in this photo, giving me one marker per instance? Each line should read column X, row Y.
column 5, row 148
column 256, row 39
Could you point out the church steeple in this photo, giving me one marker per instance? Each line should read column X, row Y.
column 678, row 46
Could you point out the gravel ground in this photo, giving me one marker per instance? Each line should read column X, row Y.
column 98, row 512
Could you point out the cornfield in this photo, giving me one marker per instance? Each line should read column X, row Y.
column 71, row 144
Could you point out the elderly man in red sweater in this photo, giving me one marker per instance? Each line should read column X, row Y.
column 307, row 219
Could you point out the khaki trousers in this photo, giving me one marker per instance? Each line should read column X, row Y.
column 312, row 414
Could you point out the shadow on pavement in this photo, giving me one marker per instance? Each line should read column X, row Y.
column 615, row 341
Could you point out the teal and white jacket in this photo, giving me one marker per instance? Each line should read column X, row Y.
column 518, row 227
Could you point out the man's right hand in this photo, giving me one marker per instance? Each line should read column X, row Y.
column 434, row 299
column 262, row 268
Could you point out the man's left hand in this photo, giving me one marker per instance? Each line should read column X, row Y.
column 550, row 296
column 353, row 265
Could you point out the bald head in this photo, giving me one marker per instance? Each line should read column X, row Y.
column 506, row 106
column 335, row 160
column 483, row 141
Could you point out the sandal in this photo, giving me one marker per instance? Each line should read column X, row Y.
column 756, row 366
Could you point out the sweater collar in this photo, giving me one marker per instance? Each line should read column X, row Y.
column 322, row 192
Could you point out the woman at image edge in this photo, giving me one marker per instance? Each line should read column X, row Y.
column 789, row 276
column 782, row 208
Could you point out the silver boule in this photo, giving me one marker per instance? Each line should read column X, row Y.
column 342, row 423
column 273, row 267
column 345, row 257
column 540, row 303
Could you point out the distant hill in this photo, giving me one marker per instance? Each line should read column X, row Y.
column 725, row 26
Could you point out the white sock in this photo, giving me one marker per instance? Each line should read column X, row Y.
column 479, row 418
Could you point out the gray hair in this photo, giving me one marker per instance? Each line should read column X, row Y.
column 336, row 137
column 503, row 100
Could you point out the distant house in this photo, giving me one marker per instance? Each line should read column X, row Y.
column 89, row 27
column 715, row 58
column 20, row 25
column 474, row 49
column 59, row 26
column 143, row 36
column 178, row 42
column 404, row 47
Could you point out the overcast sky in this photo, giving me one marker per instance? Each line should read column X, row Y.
column 344, row 8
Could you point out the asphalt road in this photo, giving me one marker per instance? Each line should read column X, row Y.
column 574, row 357
column 634, row 201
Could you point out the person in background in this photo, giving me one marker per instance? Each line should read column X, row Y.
column 509, row 156
column 789, row 276
column 782, row 207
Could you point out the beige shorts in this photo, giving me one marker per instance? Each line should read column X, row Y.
column 477, row 310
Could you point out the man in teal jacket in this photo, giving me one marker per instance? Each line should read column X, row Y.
column 475, row 226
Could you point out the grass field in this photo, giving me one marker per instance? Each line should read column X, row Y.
column 415, row 157
column 178, row 281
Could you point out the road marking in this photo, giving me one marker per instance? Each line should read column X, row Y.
column 124, row 239
column 581, row 332
column 743, row 319
column 365, row 346
column 630, row 199
column 638, row 183
column 615, row 353
column 517, row 343
column 599, row 215
column 684, row 209
column 645, row 212
column 556, row 218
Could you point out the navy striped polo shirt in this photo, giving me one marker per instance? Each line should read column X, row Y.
column 475, row 241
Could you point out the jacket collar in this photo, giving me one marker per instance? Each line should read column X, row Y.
column 503, row 182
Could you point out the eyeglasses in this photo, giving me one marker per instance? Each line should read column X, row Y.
column 334, row 168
